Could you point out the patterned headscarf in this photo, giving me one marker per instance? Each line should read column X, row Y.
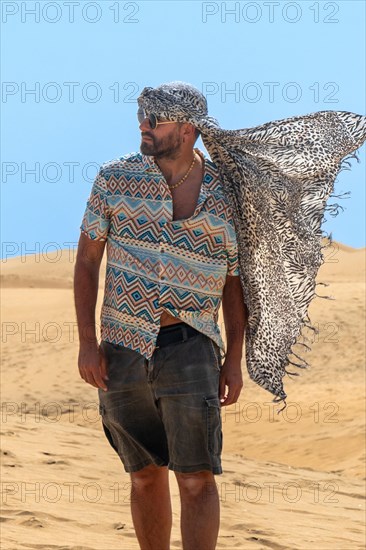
column 277, row 177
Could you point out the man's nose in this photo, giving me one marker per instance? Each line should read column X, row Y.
column 145, row 125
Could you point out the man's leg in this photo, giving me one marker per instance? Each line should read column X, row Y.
column 151, row 507
column 134, row 428
column 187, row 388
column 200, row 510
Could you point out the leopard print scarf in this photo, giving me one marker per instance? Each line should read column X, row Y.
column 277, row 177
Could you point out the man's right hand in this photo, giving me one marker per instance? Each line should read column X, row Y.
column 93, row 365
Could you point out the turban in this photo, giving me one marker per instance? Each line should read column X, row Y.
column 277, row 178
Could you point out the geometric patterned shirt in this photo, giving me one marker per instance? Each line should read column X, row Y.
column 155, row 263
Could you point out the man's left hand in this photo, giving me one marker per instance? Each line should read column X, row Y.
column 231, row 377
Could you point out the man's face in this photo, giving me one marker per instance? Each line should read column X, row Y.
column 164, row 141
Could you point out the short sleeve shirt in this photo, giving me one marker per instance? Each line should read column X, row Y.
column 155, row 263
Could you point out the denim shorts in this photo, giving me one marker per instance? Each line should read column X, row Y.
column 166, row 410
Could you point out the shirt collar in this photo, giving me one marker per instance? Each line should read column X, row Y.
column 149, row 164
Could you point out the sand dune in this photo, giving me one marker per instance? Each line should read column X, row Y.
column 291, row 481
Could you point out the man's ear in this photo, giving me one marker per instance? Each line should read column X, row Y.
column 189, row 130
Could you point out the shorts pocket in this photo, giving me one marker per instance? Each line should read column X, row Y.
column 214, row 426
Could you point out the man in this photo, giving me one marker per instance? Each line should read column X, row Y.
column 171, row 261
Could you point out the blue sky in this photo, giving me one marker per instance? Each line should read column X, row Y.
column 87, row 63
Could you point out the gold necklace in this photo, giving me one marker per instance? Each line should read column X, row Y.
column 187, row 174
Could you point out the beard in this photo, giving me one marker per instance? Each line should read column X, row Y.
column 167, row 146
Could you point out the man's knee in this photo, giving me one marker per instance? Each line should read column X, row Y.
column 196, row 484
column 148, row 476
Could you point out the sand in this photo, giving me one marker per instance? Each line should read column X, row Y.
column 291, row 481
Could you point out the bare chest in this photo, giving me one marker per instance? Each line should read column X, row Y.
column 185, row 201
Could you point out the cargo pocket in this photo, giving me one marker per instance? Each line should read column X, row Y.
column 214, row 427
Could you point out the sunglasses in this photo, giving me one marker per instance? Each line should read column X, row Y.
column 153, row 119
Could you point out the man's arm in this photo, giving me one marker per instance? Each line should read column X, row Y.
column 92, row 366
column 235, row 318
